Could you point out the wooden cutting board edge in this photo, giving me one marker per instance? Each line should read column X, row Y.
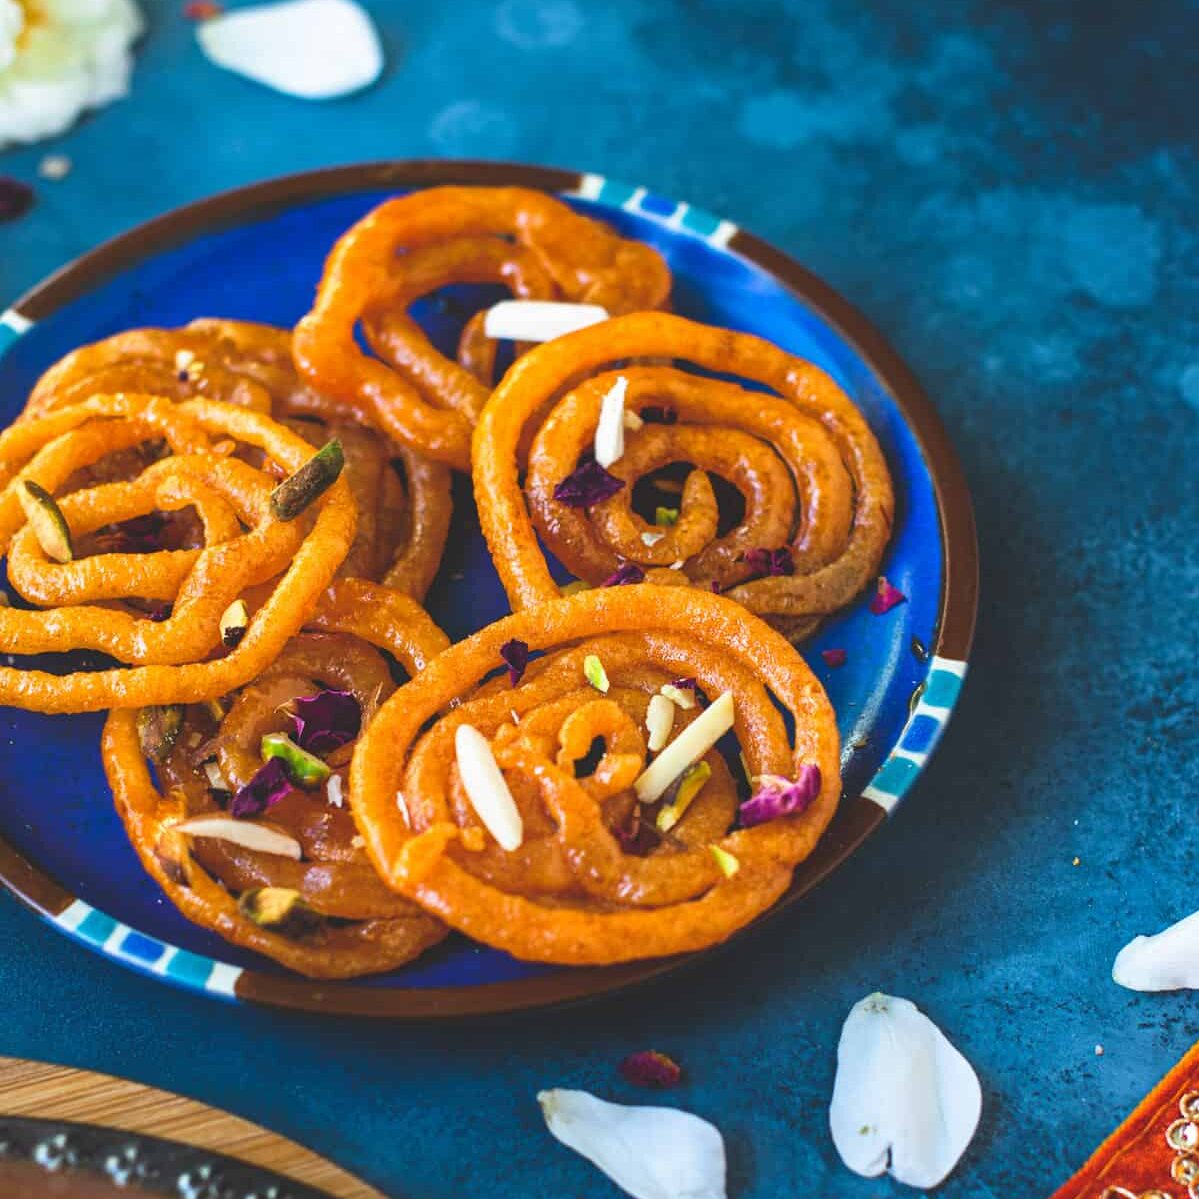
column 49, row 1092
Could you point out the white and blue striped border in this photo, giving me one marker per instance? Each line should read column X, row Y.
column 671, row 214
column 118, row 941
column 920, row 735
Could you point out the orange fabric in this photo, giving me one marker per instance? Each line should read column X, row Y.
column 1155, row 1152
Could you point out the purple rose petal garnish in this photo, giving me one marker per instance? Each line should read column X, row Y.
column 630, row 572
column 777, row 796
column 886, row 597
column 326, row 721
column 657, row 414
column 268, row 786
column 716, row 587
column 588, row 484
column 637, row 836
column 686, row 684
column 770, row 563
column 649, row 1068
column 16, row 198
column 834, row 657
column 516, row 657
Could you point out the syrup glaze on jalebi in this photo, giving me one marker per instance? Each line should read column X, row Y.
column 570, row 893
column 351, row 922
column 416, row 244
column 812, row 481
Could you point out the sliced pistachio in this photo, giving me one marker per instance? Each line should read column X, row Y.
column 304, row 769
column 309, row 483
column 666, row 516
column 689, row 786
column 574, row 587
column 595, row 674
column 280, row 909
column 233, row 623
column 727, row 863
column 158, row 729
column 49, row 525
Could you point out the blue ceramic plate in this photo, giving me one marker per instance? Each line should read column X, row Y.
column 256, row 254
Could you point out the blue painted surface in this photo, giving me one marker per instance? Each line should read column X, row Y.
column 1010, row 197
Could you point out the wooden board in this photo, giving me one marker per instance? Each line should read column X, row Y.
column 60, row 1093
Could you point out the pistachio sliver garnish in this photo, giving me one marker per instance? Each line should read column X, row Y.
column 666, row 516
column 245, row 833
column 304, row 769
column 280, row 909
column 727, row 863
column 158, row 729
column 689, row 786
column 595, row 674
column 49, row 525
column 688, row 747
column 309, row 483
column 485, row 787
column 234, row 621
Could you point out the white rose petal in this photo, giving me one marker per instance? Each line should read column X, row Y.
column 905, row 1101
column 314, row 49
column 649, row 1152
column 1168, row 961
column 76, row 55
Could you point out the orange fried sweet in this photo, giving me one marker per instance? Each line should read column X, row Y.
column 340, row 919
column 812, row 485
column 413, row 245
column 246, row 546
column 581, row 885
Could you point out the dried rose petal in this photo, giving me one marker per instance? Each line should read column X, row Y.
column 636, row 835
column 630, row 572
column 516, row 657
column 834, row 657
column 686, row 684
column 326, row 721
column 16, row 198
column 770, row 563
column 586, row 485
column 657, row 414
column 649, row 1068
column 268, row 786
column 777, row 796
column 141, row 535
column 886, row 597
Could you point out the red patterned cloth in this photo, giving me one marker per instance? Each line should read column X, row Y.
column 1154, row 1154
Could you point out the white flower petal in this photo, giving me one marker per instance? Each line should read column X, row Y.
column 314, row 49
column 649, row 1152
column 609, row 431
column 75, row 57
column 1168, row 961
column 905, row 1100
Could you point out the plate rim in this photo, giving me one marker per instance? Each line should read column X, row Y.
column 857, row 817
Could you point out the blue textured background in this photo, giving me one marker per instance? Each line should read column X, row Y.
column 1011, row 198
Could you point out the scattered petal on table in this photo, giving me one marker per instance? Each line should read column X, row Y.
column 59, row 58
column 315, row 49
column 905, row 1101
column 1168, row 961
column 649, row 1152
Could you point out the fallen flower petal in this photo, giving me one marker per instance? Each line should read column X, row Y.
column 516, row 657
column 905, row 1101
column 588, row 484
column 630, row 572
column 886, row 597
column 314, row 49
column 268, row 786
column 770, row 563
column 1167, row 961
column 834, row 657
column 649, row 1068
column 649, row 1152
column 326, row 721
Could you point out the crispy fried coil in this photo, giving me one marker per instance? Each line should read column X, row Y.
column 403, row 517
column 569, row 893
column 808, row 468
column 168, row 657
column 363, row 926
column 415, row 244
